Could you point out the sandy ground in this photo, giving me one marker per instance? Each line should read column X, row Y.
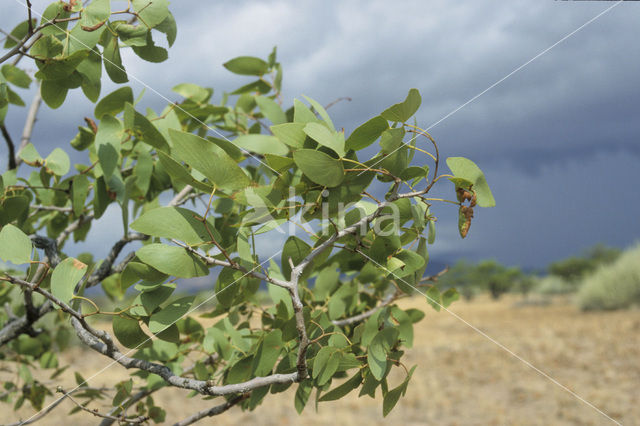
column 463, row 377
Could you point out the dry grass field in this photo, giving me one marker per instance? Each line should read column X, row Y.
column 462, row 378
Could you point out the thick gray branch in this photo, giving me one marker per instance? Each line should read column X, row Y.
column 201, row 386
column 106, row 267
column 14, row 328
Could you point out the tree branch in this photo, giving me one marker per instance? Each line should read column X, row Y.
column 29, row 123
column 17, row 326
column 386, row 301
column 119, row 419
column 46, row 410
column 213, row 411
column 363, row 316
column 14, row 328
column 106, row 267
column 10, row 146
column 217, row 262
column 203, row 387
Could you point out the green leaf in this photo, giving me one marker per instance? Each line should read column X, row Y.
column 383, row 246
column 302, row 395
column 55, row 10
column 267, row 353
column 302, row 113
column 4, row 98
column 65, row 277
column 18, row 32
column 296, row 250
column 433, row 298
column 95, row 13
column 227, row 278
column 168, row 315
column 377, row 351
column 321, row 111
column 173, row 222
column 432, row 232
column 14, row 98
column 150, row 300
column 114, row 102
column 90, row 71
column 61, row 69
column 16, row 76
column 325, row 137
column 169, row 28
column 79, row 39
column 151, row 12
column 14, row 208
column 278, row 163
column 319, row 167
column 342, row 300
column 291, row 134
column 58, row 162
column 172, row 260
column 261, row 144
column 129, row 34
column 150, row 52
column 107, row 144
column 412, row 262
column 129, row 333
column 112, row 59
column 468, row 170
column 215, row 341
column 326, row 282
column 53, row 93
column 15, row 245
column 402, row 111
column 144, row 129
column 136, row 271
column 179, row 173
column 449, row 296
column 367, row 133
column 210, row 160
column 247, row 65
column 325, row 364
column 342, row 390
column 79, row 192
column 392, row 397
column 197, row 94
column 271, row 110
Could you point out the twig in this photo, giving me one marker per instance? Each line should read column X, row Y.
column 385, row 302
column 52, row 208
column 47, row 410
column 29, row 123
column 121, row 419
column 106, row 267
column 213, row 411
column 30, row 19
column 10, row 146
column 357, row 318
column 178, row 199
column 330, row 104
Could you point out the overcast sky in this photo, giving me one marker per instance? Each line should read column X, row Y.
column 558, row 140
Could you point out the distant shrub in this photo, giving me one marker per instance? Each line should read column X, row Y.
column 552, row 284
column 613, row 286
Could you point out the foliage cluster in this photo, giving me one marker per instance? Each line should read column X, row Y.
column 233, row 170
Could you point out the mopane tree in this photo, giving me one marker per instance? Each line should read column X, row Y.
column 197, row 184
